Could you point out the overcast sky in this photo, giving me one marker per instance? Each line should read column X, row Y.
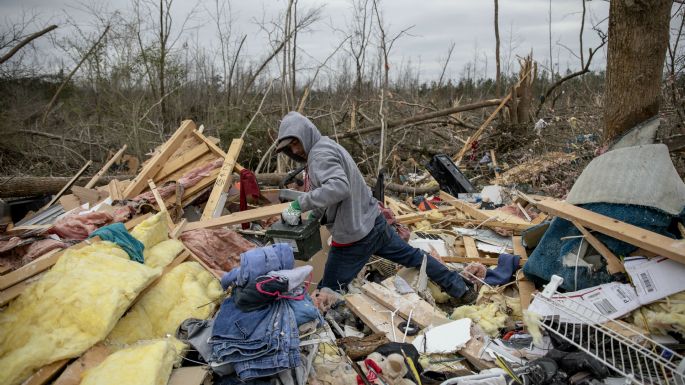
column 436, row 24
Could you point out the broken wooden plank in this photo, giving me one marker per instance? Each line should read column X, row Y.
column 495, row 167
column 42, row 263
column 68, row 185
column 464, row 207
column 157, row 162
column 114, row 190
column 187, row 158
column 661, row 245
column 470, row 246
column 224, row 180
column 72, row 375
column 39, row 265
column 13, row 292
column 240, row 217
column 46, row 373
column 106, row 167
column 374, row 315
column 86, row 195
column 199, row 260
column 189, row 375
column 524, row 212
column 178, row 229
column 614, row 265
column 136, row 221
column 423, row 313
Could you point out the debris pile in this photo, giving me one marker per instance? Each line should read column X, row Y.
column 184, row 274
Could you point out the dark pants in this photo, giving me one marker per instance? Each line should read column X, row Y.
column 344, row 263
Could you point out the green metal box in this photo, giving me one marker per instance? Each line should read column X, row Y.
column 304, row 238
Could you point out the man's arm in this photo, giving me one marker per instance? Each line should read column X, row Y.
column 335, row 186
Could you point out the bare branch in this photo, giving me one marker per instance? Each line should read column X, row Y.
column 24, row 42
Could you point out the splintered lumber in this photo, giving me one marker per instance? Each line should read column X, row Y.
column 68, row 185
column 494, row 163
column 157, row 162
column 464, row 207
column 73, row 374
column 376, row 316
column 13, row 292
column 470, row 246
column 614, row 265
column 240, row 217
column 650, row 241
column 224, row 180
column 103, row 170
column 476, row 135
column 424, row 314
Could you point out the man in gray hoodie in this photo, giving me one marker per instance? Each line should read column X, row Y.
column 338, row 196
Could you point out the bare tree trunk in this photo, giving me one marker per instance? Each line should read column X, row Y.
column 638, row 37
column 498, row 75
column 163, row 36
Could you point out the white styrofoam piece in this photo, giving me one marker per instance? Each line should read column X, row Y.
column 447, row 338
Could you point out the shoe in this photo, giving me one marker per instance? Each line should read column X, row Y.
column 468, row 298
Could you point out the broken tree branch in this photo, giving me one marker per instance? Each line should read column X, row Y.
column 24, row 42
column 419, row 118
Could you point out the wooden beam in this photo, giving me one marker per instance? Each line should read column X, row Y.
column 423, row 313
column 114, row 190
column 14, row 291
column 182, row 161
column 38, row 265
column 199, row 260
column 106, row 167
column 470, row 246
column 217, row 198
column 136, row 221
column 464, row 207
column 494, row 163
column 214, row 148
column 68, row 185
column 650, row 241
column 526, row 289
column 376, row 316
column 72, row 375
column 240, row 217
column 524, row 212
column 157, row 162
column 614, row 265
column 46, row 373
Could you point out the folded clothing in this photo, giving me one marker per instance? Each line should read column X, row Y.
column 259, row 293
column 258, row 343
column 259, row 261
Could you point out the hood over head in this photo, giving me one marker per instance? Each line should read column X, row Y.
column 296, row 125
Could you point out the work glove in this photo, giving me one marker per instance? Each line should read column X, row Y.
column 292, row 214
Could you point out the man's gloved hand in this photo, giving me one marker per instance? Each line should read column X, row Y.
column 292, row 214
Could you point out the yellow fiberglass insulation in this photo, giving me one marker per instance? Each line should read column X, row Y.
column 187, row 291
column 664, row 315
column 72, row 307
column 148, row 363
column 489, row 317
column 152, row 230
column 163, row 253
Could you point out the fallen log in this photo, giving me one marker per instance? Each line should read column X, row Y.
column 25, row 186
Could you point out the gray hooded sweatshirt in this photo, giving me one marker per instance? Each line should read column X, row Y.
column 339, row 191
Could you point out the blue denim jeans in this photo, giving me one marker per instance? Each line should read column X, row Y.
column 259, row 343
column 344, row 263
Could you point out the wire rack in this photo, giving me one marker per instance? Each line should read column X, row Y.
column 633, row 355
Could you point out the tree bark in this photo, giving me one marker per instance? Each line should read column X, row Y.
column 27, row 40
column 498, row 75
column 638, row 37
